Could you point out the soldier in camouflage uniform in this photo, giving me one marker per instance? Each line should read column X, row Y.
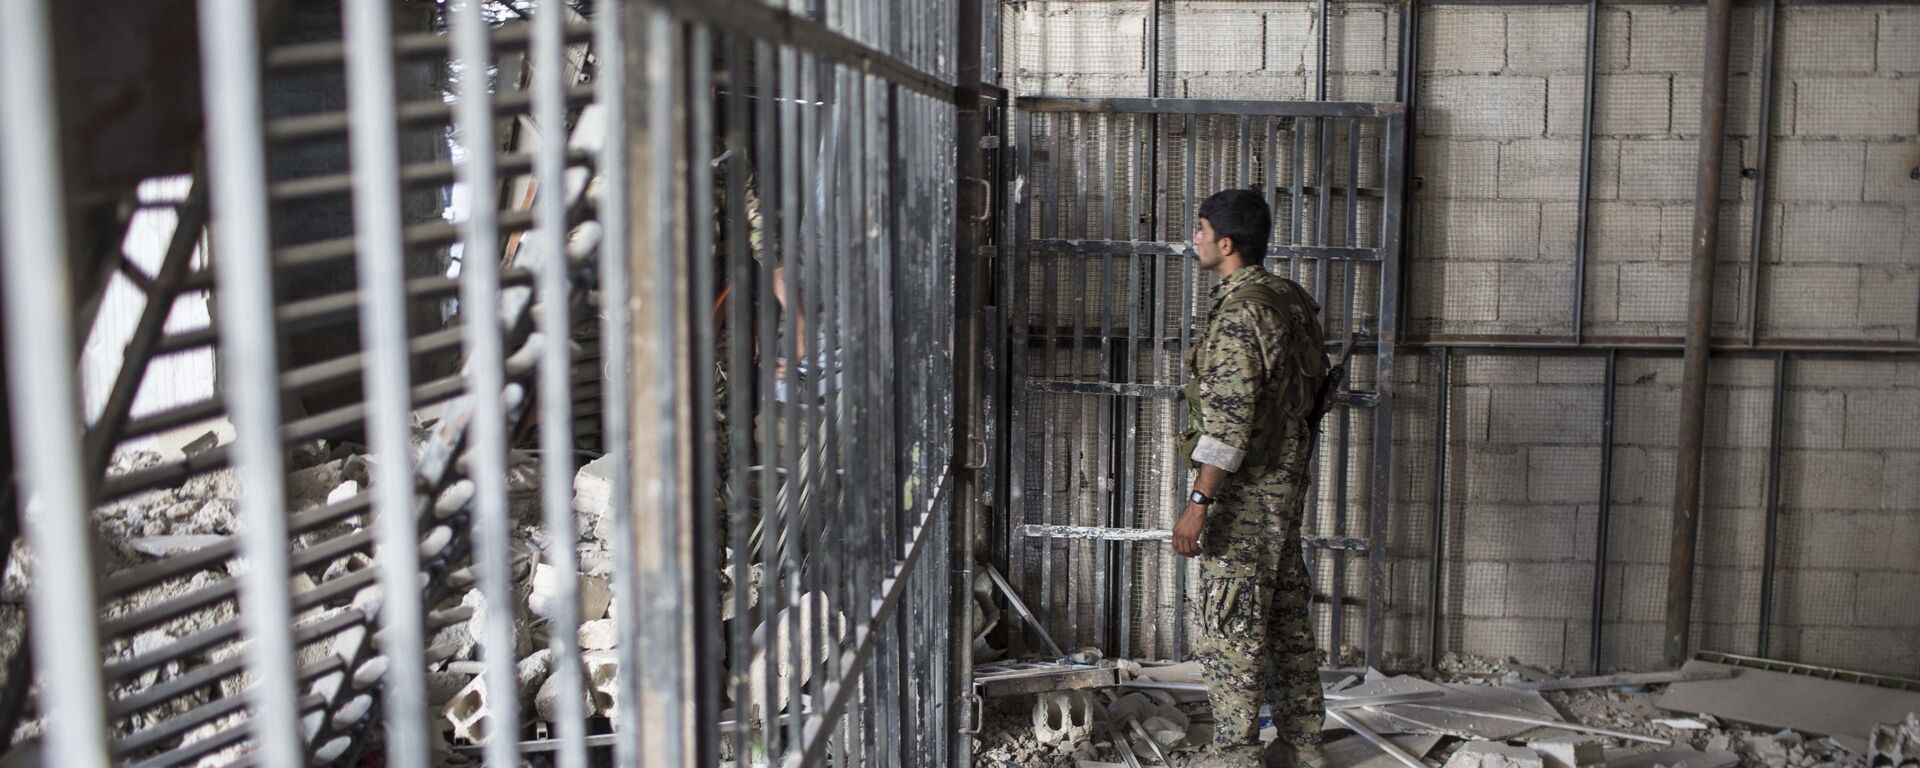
column 1253, row 381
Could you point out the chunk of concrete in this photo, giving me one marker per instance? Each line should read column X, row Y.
column 599, row 635
column 546, row 703
column 603, row 680
column 1063, row 717
column 799, row 621
column 1571, row 752
column 467, row 712
column 595, row 593
column 1896, row 743
column 1490, row 754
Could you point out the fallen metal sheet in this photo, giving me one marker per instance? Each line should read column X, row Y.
column 1670, row 757
column 1609, row 681
column 161, row 546
column 1785, row 700
column 1016, row 678
column 1490, row 699
column 1357, row 752
column 1386, row 746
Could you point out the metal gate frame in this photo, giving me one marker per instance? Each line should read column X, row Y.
column 1114, row 543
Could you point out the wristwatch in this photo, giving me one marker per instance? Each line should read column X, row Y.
column 1200, row 498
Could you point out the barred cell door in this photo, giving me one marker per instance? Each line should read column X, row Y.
column 1101, row 309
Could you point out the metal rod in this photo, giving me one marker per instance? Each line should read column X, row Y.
column 1763, row 152
column 1540, row 721
column 1585, row 194
column 45, row 406
column 1373, row 738
column 1776, row 440
column 617, row 434
column 1603, row 519
column 1101, row 533
column 237, row 169
column 555, row 384
column 1693, row 385
column 1387, row 335
column 1437, row 523
column 374, row 143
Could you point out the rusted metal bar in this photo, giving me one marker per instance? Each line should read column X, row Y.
column 1693, row 383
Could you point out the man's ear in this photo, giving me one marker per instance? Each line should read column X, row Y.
column 1226, row 246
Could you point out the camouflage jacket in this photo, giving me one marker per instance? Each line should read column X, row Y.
column 1253, row 377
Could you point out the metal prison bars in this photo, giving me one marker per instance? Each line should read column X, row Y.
column 820, row 140
column 1105, row 277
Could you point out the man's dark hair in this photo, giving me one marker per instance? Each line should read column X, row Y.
column 1243, row 216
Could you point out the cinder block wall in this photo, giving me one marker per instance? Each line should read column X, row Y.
column 1498, row 126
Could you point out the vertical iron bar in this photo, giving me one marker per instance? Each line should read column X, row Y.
column 659, row 288
column 1776, row 439
column 766, row 313
column 1756, row 243
column 230, row 61
column 1019, row 326
column 610, row 81
column 1295, row 266
column 1585, row 193
column 1437, row 521
column 1320, row 59
column 1183, row 318
column 1387, row 337
column 1050, row 302
column 486, row 375
column 374, row 143
column 1603, row 518
column 1110, row 556
column 704, row 559
column 556, row 371
column 46, row 406
column 1128, row 425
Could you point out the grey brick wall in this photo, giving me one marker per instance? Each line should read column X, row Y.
column 1494, row 231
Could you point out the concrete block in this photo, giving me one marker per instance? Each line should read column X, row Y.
column 1489, row 473
column 1838, row 39
column 1738, row 418
column 1622, row 232
column 1563, row 474
column 1456, row 292
column 1654, row 292
column 1217, row 41
column 1900, row 487
column 1525, row 532
column 1645, row 416
column 1821, row 171
column 1542, row 589
column 1899, row 44
column 1848, row 234
column 1890, row 172
column 1814, row 419
column 1263, row 86
column 1643, row 475
column 1832, row 480
column 1542, row 169
column 1882, row 651
column 1454, row 168
column 1495, row 369
column 594, row 594
column 1360, row 41
column 1882, row 418
column 1470, row 40
column 1468, row 413
column 1866, row 107
column 1623, row 105
column 1808, row 299
column 1626, row 647
column 1887, row 296
column 1842, row 373
column 1074, row 85
column 1603, row 294
column 1734, row 478
column 1543, row 415
column 1552, row 40
column 1662, row 169
column 1636, row 593
column 1572, row 752
column 1098, row 39
column 1541, row 642
column 1480, row 230
column 1536, row 296
column 1291, row 40
column 1740, row 372
column 1886, row 600
column 1488, row 754
column 1572, row 370
column 1490, row 107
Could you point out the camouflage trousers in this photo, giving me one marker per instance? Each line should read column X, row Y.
column 1256, row 636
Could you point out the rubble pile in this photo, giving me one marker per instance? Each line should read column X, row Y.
column 1471, row 713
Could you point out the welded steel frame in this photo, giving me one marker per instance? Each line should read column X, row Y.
column 1078, row 112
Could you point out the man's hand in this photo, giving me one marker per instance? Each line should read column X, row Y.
column 1186, row 532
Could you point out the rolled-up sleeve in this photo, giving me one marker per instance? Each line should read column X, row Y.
column 1230, row 375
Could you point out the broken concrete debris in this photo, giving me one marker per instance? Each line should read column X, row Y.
column 1896, row 744
column 1489, row 754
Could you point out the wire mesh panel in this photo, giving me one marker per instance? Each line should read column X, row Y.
column 1110, row 307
